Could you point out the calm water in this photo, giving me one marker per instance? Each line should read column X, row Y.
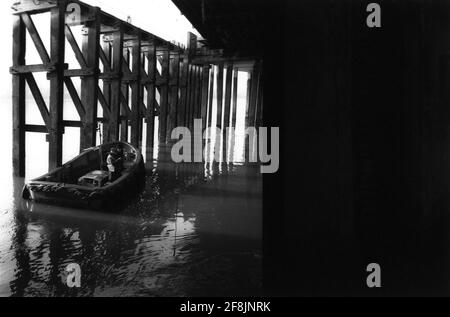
column 191, row 232
column 185, row 235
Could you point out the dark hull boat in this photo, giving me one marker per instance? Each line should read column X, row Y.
column 84, row 181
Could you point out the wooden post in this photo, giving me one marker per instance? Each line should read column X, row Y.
column 173, row 91
column 219, row 103
column 198, row 100
column 219, row 95
column 57, row 52
column 151, row 101
column 125, row 102
column 235, row 97
column 205, row 87
column 181, row 115
column 116, row 86
column 89, row 84
column 164, row 89
column 211, row 96
column 234, row 117
column 190, row 96
column 18, row 98
column 143, row 107
column 194, row 95
column 136, row 92
column 210, row 107
column 107, row 49
column 228, row 91
column 256, row 75
column 247, row 109
column 191, row 45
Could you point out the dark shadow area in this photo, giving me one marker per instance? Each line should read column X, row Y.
column 365, row 149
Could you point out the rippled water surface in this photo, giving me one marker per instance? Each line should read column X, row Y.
column 188, row 234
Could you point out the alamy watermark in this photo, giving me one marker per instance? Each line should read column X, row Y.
column 258, row 143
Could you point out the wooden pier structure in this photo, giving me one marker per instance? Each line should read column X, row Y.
column 119, row 73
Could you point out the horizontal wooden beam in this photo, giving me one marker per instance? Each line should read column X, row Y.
column 36, row 128
column 80, row 72
column 16, row 70
column 110, row 75
column 109, row 23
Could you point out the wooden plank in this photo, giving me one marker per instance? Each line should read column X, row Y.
column 105, row 56
column 42, row 51
column 126, row 111
column 116, row 91
column 105, row 106
column 38, row 99
column 136, row 98
column 89, row 85
column 164, row 88
column 75, row 98
column 79, row 72
column 24, row 69
column 57, row 53
column 73, row 124
column 36, row 128
column 18, row 98
column 76, row 49
column 126, row 69
column 151, row 102
column 173, row 93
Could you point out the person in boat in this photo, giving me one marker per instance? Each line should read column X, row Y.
column 114, row 162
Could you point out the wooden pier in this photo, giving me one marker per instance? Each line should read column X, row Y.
column 128, row 84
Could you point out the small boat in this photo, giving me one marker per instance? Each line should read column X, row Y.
column 84, row 181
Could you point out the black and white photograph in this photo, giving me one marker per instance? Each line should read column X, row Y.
column 243, row 150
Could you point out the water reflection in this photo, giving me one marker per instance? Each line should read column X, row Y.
column 193, row 231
